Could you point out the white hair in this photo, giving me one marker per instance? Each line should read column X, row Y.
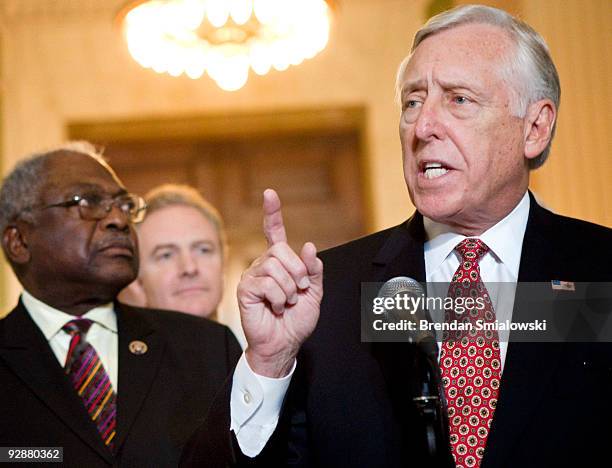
column 530, row 71
column 21, row 188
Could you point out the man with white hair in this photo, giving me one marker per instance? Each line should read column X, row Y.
column 479, row 95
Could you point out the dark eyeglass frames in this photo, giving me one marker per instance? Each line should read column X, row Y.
column 95, row 206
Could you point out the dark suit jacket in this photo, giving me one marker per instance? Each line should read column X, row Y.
column 162, row 397
column 349, row 403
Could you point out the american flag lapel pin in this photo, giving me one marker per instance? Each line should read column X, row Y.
column 558, row 285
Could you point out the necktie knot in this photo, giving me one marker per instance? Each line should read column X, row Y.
column 471, row 249
column 77, row 326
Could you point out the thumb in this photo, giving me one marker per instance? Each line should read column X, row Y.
column 314, row 265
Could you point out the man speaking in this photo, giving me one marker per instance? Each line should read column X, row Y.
column 479, row 99
column 109, row 384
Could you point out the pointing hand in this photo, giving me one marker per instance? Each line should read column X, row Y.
column 279, row 297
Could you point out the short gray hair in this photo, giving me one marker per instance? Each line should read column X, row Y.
column 531, row 71
column 21, row 188
column 167, row 195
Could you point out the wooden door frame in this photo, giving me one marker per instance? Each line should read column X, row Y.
column 236, row 124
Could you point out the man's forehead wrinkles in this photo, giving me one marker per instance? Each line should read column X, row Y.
column 78, row 164
column 447, row 75
column 85, row 186
column 416, row 78
column 447, row 84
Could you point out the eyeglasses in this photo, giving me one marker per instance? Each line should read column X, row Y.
column 95, row 206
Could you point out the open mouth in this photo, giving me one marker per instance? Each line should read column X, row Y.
column 433, row 170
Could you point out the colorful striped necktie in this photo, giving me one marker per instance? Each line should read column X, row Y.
column 90, row 380
column 470, row 361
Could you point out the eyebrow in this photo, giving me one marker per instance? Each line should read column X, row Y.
column 164, row 246
column 410, row 86
column 200, row 242
column 459, row 84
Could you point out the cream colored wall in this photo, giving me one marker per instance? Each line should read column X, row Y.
column 577, row 180
column 64, row 61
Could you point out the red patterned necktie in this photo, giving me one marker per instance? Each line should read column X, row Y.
column 470, row 361
column 91, row 381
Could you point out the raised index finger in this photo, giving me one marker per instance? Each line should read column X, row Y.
column 273, row 226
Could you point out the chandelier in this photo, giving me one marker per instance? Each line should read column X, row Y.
column 224, row 38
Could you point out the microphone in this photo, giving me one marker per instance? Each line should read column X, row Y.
column 413, row 294
column 427, row 389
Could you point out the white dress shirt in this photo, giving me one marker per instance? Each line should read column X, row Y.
column 102, row 334
column 498, row 267
column 256, row 400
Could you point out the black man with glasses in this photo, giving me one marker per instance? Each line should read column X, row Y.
column 109, row 384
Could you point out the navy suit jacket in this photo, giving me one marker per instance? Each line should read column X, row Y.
column 163, row 395
column 350, row 403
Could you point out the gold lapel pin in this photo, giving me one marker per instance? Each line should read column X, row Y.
column 138, row 347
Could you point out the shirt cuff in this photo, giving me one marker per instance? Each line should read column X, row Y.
column 255, row 406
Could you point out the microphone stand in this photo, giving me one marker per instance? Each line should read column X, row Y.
column 429, row 400
column 427, row 391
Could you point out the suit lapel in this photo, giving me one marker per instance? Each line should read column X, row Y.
column 529, row 367
column 136, row 371
column 25, row 350
column 402, row 253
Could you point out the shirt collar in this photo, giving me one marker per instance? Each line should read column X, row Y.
column 504, row 239
column 51, row 320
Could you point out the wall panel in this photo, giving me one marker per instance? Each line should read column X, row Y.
column 577, row 179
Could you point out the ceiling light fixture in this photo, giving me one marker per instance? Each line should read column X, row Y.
column 224, row 38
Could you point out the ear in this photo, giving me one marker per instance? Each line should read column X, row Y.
column 539, row 124
column 134, row 294
column 15, row 245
